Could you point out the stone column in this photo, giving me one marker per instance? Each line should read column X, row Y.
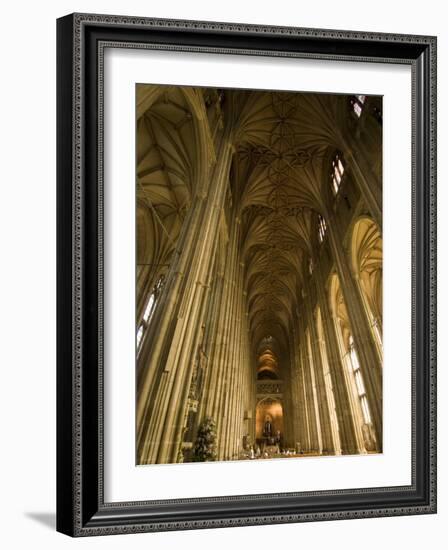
column 301, row 417
column 296, row 396
column 171, row 355
column 152, row 375
column 211, row 384
column 375, row 314
column 212, row 328
column 290, row 410
column 366, row 349
column 309, row 387
column 233, row 419
column 145, row 280
column 184, row 400
column 328, row 445
column 240, row 343
column 349, row 431
column 309, row 418
column 232, row 396
column 218, row 406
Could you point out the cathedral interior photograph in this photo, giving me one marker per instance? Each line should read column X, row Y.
column 259, row 274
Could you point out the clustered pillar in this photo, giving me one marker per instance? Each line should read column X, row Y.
column 204, row 289
column 198, row 357
column 315, row 426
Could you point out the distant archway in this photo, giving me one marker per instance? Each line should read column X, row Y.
column 269, row 410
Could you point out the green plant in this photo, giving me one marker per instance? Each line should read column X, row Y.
column 205, row 445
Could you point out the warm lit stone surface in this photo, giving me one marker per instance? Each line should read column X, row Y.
column 259, row 273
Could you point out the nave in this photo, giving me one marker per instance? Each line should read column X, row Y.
column 259, row 274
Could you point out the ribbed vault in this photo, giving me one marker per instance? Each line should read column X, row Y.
column 169, row 164
column 249, row 307
column 282, row 146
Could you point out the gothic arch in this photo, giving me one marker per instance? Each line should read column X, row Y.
column 269, row 408
column 231, row 188
column 367, row 265
column 173, row 159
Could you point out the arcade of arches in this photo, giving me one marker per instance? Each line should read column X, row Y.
column 259, row 273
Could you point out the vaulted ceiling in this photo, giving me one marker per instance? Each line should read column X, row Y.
column 166, row 162
column 279, row 173
column 279, row 178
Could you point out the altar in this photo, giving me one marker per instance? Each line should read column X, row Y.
column 270, row 442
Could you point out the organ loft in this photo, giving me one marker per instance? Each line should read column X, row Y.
column 259, row 274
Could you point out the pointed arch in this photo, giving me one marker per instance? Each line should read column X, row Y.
column 367, row 265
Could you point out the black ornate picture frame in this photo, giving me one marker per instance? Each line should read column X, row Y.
column 81, row 508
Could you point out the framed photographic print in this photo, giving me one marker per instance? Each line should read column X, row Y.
column 246, row 274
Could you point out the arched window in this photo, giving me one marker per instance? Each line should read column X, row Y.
column 149, row 310
column 359, row 380
column 358, row 103
column 321, row 228
column 337, row 171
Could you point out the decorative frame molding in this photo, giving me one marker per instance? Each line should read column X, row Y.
column 81, row 39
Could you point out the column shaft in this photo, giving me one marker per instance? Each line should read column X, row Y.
column 172, row 352
column 366, row 349
column 324, row 411
column 349, row 432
